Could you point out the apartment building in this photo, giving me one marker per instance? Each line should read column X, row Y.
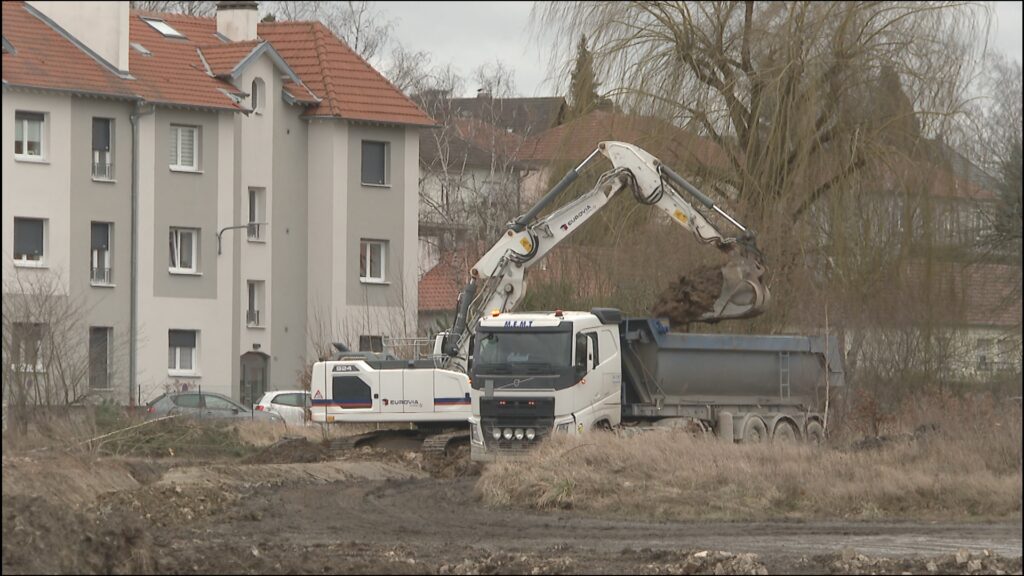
column 222, row 196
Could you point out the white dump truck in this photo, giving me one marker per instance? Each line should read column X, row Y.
column 539, row 374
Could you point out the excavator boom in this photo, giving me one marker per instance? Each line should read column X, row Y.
column 498, row 279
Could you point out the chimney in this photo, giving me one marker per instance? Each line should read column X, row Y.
column 100, row 26
column 237, row 19
column 484, row 92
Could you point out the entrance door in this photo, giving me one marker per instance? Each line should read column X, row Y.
column 254, row 377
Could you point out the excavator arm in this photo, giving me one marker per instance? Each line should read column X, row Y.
column 498, row 279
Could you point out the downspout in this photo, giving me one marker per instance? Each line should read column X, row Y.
column 134, row 394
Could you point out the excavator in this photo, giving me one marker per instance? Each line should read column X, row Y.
column 498, row 279
column 436, row 392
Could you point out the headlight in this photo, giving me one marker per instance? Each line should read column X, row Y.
column 563, row 428
column 519, row 434
column 508, row 433
column 530, row 434
column 496, row 433
column 477, row 434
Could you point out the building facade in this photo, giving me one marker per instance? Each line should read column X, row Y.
column 216, row 200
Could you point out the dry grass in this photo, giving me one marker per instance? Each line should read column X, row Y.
column 970, row 469
column 261, row 434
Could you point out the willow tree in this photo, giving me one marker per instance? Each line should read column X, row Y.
column 784, row 88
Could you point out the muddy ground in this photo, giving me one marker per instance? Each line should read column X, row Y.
column 396, row 511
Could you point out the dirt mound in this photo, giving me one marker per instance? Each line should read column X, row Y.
column 290, row 451
column 165, row 505
column 41, row 537
column 689, row 297
column 962, row 562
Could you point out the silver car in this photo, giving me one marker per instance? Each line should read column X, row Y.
column 203, row 405
column 291, row 405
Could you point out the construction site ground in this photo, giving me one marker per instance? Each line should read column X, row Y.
column 394, row 510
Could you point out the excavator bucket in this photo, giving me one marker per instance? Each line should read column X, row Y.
column 743, row 293
column 712, row 293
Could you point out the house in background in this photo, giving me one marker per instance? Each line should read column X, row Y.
column 220, row 193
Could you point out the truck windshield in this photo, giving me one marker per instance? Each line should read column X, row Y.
column 523, row 352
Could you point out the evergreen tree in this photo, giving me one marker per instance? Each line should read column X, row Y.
column 583, row 86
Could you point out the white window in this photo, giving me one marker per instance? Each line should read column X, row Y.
column 182, row 357
column 254, row 312
column 184, row 148
column 29, row 242
column 257, row 96
column 375, row 163
column 28, row 135
column 101, row 268
column 370, row 343
column 184, row 250
column 27, row 340
column 163, row 27
column 102, row 148
column 372, row 260
column 257, row 209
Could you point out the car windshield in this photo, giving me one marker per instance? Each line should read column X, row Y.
column 523, row 351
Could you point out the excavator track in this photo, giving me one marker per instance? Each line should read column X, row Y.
column 437, row 444
column 370, row 439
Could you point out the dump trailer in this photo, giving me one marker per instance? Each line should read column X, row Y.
column 537, row 374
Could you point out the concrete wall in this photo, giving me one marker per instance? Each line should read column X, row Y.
column 39, row 189
column 103, row 201
column 288, row 231
column 100, row 25
column 205, row 200
column 186, row 200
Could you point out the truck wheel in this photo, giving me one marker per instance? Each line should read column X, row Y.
column 785, row 433
column 815, row 433
column 754, row 431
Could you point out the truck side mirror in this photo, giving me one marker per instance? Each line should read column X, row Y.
column 581, row 355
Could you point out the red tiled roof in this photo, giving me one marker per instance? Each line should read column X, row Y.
column 174, row 72
column 575, row 140
column 348, row 86
column 975, row 294
column 43, row 58
column 439, row 288
column 222, row 58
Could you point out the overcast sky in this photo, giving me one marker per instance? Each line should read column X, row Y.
column 468, row 34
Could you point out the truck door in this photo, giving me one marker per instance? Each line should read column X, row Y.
column 391, row 395
column 353, row 390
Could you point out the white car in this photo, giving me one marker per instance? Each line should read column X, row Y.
column 291, row 405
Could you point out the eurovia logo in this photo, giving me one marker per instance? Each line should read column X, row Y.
column 578, row 215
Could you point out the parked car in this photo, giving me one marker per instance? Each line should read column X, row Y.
column 291, row 405
column 203, row 405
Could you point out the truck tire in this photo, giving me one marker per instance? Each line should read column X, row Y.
column 754, row 431
column 815, row 433
column 785, row 433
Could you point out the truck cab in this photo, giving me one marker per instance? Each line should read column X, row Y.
column 535, row 374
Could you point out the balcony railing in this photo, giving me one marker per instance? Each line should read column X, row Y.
column 101, row 276
column 103, row 170
column 254, row 231
column 252, row 317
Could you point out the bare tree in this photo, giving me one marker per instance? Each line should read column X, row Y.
column 46, row 355
column 781, row 87
column 360, row 24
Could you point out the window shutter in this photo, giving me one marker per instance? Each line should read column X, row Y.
column 188, row 146
column 181, row 338
column 100, row 236
column 174, row 145
column 373, row 162
column 101, row 134
column 28, row 236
